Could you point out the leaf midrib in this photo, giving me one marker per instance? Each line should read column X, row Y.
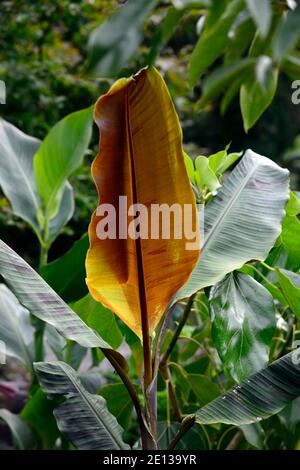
column 78, row 386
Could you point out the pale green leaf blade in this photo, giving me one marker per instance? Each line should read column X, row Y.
column 60, row 154
column 205, row 176
column 238, row 227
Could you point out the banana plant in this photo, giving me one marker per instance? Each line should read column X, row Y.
column 148, row 282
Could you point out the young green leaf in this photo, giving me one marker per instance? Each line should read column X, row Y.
column 243, row 324
column 221, row 161
column 189, row 165
column 205, row 176
column 59, row 155
column 290, row 238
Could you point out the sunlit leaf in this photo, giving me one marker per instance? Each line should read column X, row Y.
column 59, row 155
column 140, row 157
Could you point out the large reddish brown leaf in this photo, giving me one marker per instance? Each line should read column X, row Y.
column 141, row 157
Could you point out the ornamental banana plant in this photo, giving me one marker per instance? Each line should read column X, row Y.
column 140, row 158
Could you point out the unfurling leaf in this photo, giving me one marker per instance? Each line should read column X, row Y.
column 141, row 157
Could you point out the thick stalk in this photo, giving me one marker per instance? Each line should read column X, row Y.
column 165, row 372
column 147, row 440
column 150, row 406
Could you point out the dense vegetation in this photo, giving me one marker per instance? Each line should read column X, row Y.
column 229, row 67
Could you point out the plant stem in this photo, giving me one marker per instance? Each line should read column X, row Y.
column 186, row 425
column 147, row 439
column 171, row 392
column 235, row 441
column 265, row 265
column 43, row 256
column 179, row 329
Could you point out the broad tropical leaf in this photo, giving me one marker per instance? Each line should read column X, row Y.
column 243, row 324
column 238, row 227
column 35, row 294
column 15, row 328
column 141, row 157
column 17, row 151
column 20, row 431
column 82, row 417
column 259, row 397
column 16, row 172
